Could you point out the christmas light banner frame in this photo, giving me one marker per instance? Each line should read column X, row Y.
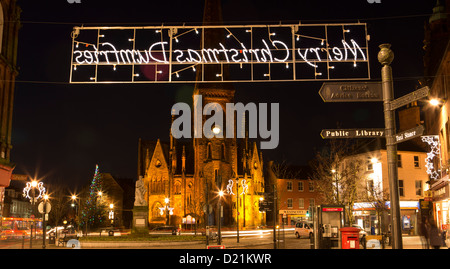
column 231, row 53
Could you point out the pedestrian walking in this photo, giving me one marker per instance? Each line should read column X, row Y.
column 423, row 232
column 435, row 235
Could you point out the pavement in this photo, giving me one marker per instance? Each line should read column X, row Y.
column 409, row 242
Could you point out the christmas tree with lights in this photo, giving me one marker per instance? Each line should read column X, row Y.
column 94, row 211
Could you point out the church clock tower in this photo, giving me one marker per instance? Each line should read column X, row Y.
column 216, row 157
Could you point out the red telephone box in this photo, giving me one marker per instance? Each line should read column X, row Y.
column 350, row 238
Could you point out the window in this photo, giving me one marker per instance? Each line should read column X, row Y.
column 209, row 152
column 369, row 163
column 401, row 188
column 399, row 160
column 289, row 202
column 301, row 203
column 312, row 202
column 416, row 162
column 419, row 187
column 177, row 187
column 289, row 185
column 311, row 186
column 223, row 152
column 300, row 186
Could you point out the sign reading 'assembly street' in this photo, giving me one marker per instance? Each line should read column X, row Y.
column 351, row 92
column 410, row 97
column 352, row 133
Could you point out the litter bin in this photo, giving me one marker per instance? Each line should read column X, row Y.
column 52, row 238
column 350, row 237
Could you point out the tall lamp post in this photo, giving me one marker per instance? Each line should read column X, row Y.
column 220, row 216
column 111, row 214
column 166, row 209
column 32, row 187
column 44, row 214
column 76, row 204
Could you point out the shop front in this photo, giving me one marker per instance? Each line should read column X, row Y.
column 377, row 222
column 441, row 203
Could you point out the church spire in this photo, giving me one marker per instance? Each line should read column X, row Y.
column 438, row 12
column 211, row 37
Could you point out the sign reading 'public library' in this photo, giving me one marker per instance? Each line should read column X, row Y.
column 234, row 53
column 352, row 133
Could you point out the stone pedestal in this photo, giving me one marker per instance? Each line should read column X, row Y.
column 140, row 219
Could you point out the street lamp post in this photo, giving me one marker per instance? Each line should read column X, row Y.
column 111, row 214
column 167, row 210
column 237, row 210
column 44, row 228
column 220, row 216
column 76, row 204
column 32, row 186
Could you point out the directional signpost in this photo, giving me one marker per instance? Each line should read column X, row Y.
column 373, row 92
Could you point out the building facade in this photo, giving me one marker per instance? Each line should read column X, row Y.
column 372, row 209
column 9, row 29
column 296, row 198
column 437, row 118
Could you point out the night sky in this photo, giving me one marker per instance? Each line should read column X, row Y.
column 61, row 130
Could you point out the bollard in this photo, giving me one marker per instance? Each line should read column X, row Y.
column 311, row 242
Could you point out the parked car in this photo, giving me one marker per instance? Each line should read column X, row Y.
column 362, row 232
column 304, row 229
column 167, row 229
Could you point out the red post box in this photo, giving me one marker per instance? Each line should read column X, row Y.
column 350, row 237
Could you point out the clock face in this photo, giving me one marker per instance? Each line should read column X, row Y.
column 158, row 163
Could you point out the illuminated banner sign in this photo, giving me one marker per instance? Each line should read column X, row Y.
column 234, row 53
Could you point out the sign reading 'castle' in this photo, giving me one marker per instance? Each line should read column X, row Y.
column 233, row 53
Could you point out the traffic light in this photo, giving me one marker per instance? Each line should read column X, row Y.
column 307, row 213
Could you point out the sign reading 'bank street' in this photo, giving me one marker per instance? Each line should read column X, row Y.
column 409, row 134
column 351, row 92
column 352, row 133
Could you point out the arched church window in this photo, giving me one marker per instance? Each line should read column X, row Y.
column 209, row 151
column 222, row 152
column 177, row 187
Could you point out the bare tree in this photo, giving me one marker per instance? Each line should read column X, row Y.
column 336, row 175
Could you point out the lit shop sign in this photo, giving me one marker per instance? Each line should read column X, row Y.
column 232, row 53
